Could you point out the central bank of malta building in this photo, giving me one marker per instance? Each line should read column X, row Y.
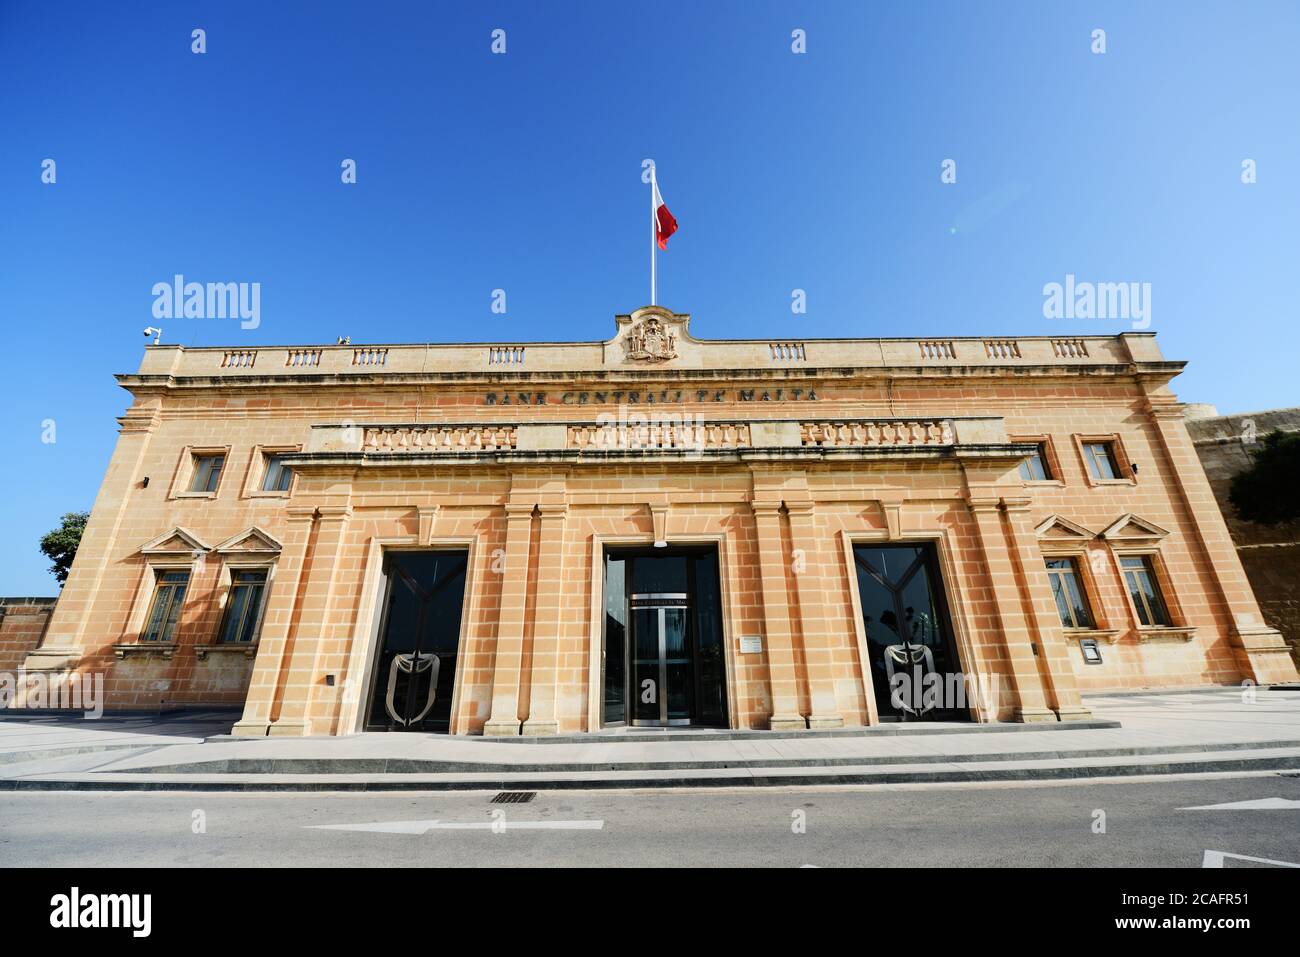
column 655, row 530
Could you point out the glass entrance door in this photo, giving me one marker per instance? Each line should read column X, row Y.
column 661, row 669
column 914, row 667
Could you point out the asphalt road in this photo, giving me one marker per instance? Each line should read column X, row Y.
column 894, row 826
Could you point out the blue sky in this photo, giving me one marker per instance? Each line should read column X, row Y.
column 521, row 172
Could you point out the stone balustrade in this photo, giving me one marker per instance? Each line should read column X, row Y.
column 723, row 356
column 432, row 438
column 686, row 433
column 652, row 436
column 882, row 433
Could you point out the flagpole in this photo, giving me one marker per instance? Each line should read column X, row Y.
column 653, row 234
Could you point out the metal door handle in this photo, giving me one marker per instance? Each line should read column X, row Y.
column 416, row 664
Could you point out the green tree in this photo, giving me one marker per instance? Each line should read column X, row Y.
column 1269, row 491
column 60, row 545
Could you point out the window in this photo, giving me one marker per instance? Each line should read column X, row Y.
column 1071, row 604
column 1140, row 576
column 207, row 472
column 1034, row 468
column 168, row 597
column 1102, row 462
column 278, row 476
column 247, row 587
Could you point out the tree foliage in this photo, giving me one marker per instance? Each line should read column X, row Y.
column 1269, row 491
column 60, row 545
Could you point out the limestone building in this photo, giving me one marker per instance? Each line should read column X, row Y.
column 655, row 530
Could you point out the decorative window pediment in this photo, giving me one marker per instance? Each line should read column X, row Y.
column 1131, row 529
column 176, row 541
column 1057, row 529
column 251, row 541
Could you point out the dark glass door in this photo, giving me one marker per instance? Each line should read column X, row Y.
column 663, row 673
column 663, row 654
column 419, row 640
column 914, row 668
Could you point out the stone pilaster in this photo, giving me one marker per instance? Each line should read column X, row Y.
column 298, row 673
column 1262, row 654
column 1056, row 668
column 1017, row 639
column 810, row 572
column 274, row 645
column 542, row 717
column 782, row 672
column 508, row 661
column 84, row 600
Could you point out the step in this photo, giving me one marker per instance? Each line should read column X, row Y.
column 17, row 756
column 1219, row 762
column 660, row 735
column 380, row 765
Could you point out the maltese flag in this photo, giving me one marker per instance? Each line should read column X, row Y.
column 665, row 224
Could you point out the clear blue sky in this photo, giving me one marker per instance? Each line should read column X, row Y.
column 522, row 172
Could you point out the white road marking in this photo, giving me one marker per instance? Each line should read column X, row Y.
column 424, row 827
column 1262, row 804
column 382, row 827
column 1215, row 859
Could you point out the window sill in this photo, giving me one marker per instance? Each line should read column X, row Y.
column 1109, row 635
column 1043, row 483
column 262, row 493
column 247, row 648
column 196, row 495
column 1174, row 633
column 146, row 649
column 1109, row 483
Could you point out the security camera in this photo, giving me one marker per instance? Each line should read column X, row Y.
column 153, row 331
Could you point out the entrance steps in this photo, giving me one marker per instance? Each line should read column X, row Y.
column 1174, row 734
column 963, row 772
column 136, row 773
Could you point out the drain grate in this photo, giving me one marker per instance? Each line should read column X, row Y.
column 514, row 797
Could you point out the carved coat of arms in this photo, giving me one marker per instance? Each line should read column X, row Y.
column 649, row 341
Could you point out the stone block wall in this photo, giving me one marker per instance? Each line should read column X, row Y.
column 1269, row 553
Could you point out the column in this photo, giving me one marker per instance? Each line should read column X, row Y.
column 1016, row 636
column 776, row 617
column 508, row 661
column 298, row 671
column 273, row 642
column 814, row 618
column 1262, row 654
column 548, row 622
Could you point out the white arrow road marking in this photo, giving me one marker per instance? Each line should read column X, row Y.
column 382, row 827
column 1263, row 804
column 1215, row 859
column 424, row 827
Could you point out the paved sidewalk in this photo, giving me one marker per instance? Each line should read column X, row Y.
column 1159, row 733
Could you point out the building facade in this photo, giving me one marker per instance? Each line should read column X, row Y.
column 655, row 529
column 1270, row 554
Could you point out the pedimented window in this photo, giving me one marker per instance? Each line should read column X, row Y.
column 1057, row 530
column 1129, row 529
column 176, row 541
column 252, row 541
